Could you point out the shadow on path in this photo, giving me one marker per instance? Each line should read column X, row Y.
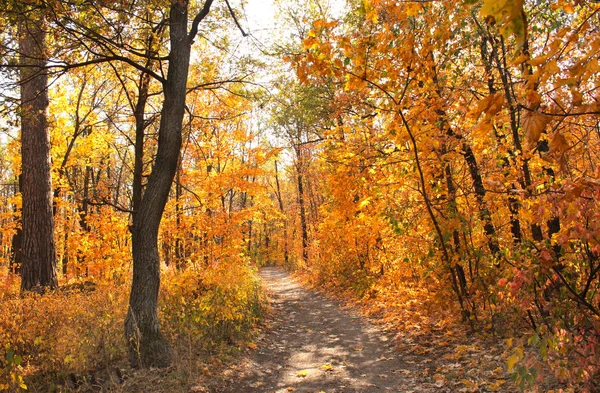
column 315, row 346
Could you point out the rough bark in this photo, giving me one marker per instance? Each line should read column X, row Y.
column 147, row 346
column 39, row 269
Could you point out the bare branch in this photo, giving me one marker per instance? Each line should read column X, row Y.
column 199, row 17
column 237, row 23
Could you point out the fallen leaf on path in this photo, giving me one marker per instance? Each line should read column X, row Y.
column 302, row 373
column 496, row 386
column 327, row 367
column 358, row 348
column 439, row 379
column 471, row 387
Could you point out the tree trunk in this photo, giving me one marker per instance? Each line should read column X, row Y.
column 285, row 230
column 147, row 346
column 179, row 246
column 484, row 212
column 16, row 246
column 38, row 250
column 303, row 224
column 140, row 129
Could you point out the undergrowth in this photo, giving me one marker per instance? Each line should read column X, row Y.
column 63, row 340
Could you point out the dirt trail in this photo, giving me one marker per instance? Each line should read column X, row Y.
column 314, row 345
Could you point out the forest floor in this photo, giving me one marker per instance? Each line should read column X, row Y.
column 312, row 343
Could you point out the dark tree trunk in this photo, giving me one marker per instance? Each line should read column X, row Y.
column 140, row 129
column 147, row 346
column 285, row 229
column 303, row 224
column 16, row 248
column 179, row 245
column 484, row 212
column 513, row 203
column 38, row 250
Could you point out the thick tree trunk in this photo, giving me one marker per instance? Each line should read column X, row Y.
column 38, row 249
column 147, row 346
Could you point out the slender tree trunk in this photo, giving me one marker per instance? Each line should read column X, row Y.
column 456, row 272
column 39, row 257
column 484, row 212
column 487, row 59
column 179, row 246
column 16, row 246
column 285, row 229
column 526, row 183
column 140, row 128
column 302, row 203
column 471, row 160
column 147, row 346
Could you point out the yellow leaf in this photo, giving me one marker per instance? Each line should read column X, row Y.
column 558, row 143
column 536, row 61
column 533, row 98
column 509, row 16
column 568, row 8
column 533, row 124
column 327, row 367
column 511, row 361
column 412, row 9
column 302, row 373
column 509, row 342
column 489, row 105
column 519, row 60
column 365, row 202
column 469, row 383
column 496, row 386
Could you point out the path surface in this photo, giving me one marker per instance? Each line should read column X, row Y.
column 314, row 345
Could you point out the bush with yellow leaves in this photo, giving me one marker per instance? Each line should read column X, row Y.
column 71, row 330
column 216, row 306
column 79, row 327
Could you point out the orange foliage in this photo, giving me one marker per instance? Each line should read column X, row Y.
column 464, row 155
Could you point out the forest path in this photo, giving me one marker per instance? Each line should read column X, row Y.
column 315, row 345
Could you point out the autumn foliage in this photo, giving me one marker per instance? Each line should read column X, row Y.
column 461, row 155
column 424, row 155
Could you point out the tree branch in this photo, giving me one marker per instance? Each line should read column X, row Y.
column 199, row 17
column 237, row 23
